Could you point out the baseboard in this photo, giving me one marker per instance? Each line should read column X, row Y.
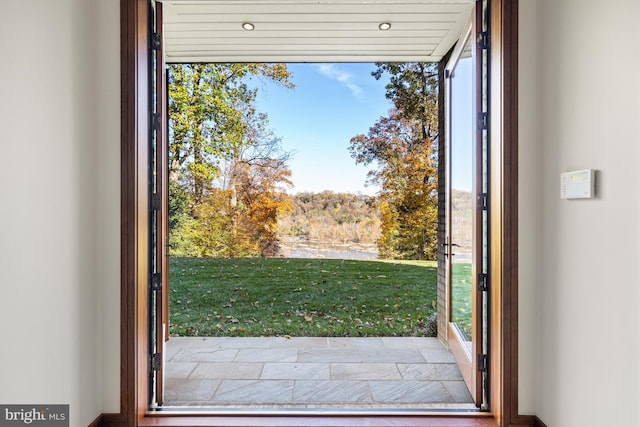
column 537, row 422
column 108, row 420
column 97, row 422
column 525, row 420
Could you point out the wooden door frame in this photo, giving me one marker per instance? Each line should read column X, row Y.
column 134, row 389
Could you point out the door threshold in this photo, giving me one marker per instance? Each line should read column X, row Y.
column 326, row 410
column 321, row 419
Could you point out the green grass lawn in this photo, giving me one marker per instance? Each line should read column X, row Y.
column 300, row 297
column 461, row 283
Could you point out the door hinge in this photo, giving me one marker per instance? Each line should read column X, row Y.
column 156, row 361
column 155, row 121
column 483, row 201
column 483, row 282
column 156, row 201
column 483, row 121
column 156, row 282
column 483, row 40
column 155, row 41
column 483, row 361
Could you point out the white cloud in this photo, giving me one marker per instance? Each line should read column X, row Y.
column 346, row 79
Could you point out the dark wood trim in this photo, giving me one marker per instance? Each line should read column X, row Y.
column 128, row 155
column 320, row 421
column 509, row 334
column 537, row 422
column 510, row 197
column 134, row 238
column 521, row 421
column 504, row 213
column 108, row 420
column 441, row 420
column 113, row 420
column 134, row 202
column 98, row 421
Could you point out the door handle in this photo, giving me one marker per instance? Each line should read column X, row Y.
column 445, row 244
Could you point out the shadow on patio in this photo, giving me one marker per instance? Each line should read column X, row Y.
column 313, row 372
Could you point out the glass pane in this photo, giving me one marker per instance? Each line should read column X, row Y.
column 462, row 184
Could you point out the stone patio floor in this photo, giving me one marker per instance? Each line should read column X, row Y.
column 312, row 372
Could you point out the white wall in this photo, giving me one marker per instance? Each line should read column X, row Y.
column 59, row 216
column 108, row 203
column 529, row 197
column 585, row 69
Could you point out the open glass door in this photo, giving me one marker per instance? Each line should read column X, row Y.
column 466, row 206
column 159, row 210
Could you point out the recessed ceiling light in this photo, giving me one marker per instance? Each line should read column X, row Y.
column 248, row 26
column 384, row 26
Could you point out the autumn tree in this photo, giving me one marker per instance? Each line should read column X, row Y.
column 255, row 176
column 216, row 140
column 334, row 217
column 402, row 147
column 261, row 201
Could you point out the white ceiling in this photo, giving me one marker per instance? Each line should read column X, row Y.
column 311, row 30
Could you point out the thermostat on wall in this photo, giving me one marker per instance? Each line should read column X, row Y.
column 578, row 184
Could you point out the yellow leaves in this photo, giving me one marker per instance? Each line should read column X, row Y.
column 215, row 128
column 403, row 146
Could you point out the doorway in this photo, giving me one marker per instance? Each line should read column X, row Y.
column 414, row 372
column 135, row 390
column 165, row 324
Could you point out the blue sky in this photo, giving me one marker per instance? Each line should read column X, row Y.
column 334, row 102
column 330, row 104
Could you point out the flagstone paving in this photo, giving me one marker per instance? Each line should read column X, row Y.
column 312, row 372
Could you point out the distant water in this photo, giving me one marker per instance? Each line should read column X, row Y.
column 331, row 254
column 299, row 248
